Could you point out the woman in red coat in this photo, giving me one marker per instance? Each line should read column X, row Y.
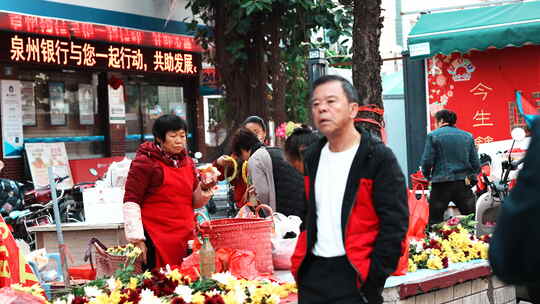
column 162, row 189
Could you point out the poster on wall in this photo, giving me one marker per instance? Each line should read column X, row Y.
column 28, row 103
column 41, row 156
column 57, row 103
column 86, row 104
column 117, row 108
column 480, row 87
column 12, row 124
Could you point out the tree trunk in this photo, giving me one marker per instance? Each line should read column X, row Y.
column 276, row 69
column 245, row 90
column 367, row 61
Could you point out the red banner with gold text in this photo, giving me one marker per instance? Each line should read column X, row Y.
column 480, row 88
column 13, row 267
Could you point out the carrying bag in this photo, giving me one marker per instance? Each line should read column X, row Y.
column 418, row 219
column 106, row 264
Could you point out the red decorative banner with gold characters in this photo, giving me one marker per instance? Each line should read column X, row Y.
column 480, row 87
column 13, row 267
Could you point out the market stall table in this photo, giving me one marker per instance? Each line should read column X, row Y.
column 77, row 236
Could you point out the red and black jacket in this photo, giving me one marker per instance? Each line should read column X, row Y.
column 374, row 216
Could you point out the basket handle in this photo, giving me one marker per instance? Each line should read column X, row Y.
column 88, row 254
column 267, row 208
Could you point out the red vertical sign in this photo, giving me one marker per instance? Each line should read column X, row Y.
column 480, row 88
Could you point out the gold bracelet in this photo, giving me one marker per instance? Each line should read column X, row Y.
column 235, row 167
column 244, row 172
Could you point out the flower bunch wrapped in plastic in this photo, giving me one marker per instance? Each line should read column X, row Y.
column 208, row 176
column 169, row 286
column 285, row 129
column 450, row 242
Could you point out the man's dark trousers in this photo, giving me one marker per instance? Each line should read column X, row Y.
column 332, row 280
column 443, row 193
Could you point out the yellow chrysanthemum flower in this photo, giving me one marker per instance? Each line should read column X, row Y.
column 197, row 298
column 133, row 282
column 175, row 275
column 434, row 262
column 412, row 266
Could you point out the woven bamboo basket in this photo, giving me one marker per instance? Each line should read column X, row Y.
column 106, row 264
column 244, row 233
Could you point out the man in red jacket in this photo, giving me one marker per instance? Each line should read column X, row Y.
column 357, row 205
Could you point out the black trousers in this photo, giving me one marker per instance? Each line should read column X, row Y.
column 443, row 193
column 332, row 280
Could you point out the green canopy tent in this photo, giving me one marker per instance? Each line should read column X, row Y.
column 475, row 29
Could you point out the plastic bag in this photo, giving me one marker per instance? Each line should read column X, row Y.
column 116, row 174
column 282, row 251
column 418, row 219
column 245, row 212
column 10, row 296
column 284, row 224
column 418, row 214
column 240, row 263
column 39, row 257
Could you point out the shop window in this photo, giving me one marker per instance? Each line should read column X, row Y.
column 215, row 121
column 63, row 106
column 144, row 104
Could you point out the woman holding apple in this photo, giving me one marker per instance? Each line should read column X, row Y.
column 163, row 188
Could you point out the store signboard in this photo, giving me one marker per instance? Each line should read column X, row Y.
column 89, row 31
column 12, row 119
column 480, row 87
column 62, row 52
column 41, row 156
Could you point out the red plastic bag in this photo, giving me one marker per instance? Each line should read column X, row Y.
column 83, row 272
column 10, row 296
column 282, row 251
column 240, row 263
column 418, row 214
column 418, row 219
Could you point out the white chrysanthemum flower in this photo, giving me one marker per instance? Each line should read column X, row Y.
column 223, row 277
column 213, row 292
column 274, row 299
column 111, row 283
column 184, row 292
column 240, row 295
column 148, row 297
column 92, row 291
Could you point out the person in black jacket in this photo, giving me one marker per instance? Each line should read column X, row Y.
column 514, row 250
column 357, row 205
column 296, row 143
column 276, row 183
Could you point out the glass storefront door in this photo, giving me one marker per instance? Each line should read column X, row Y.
column 144, row 104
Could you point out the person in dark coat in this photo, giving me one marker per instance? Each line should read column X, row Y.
column 449, row 162
column 514, row 251
column 357, row 205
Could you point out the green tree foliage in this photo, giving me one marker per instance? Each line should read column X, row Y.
column 259, row 47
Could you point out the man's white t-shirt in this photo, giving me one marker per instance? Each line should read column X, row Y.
column 330, row 184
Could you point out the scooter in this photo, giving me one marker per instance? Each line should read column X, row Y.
column 489, row 203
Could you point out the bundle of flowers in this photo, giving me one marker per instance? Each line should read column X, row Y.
column 285, row 130
column 169, row 286
column 450, row 242
column 129, row 250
